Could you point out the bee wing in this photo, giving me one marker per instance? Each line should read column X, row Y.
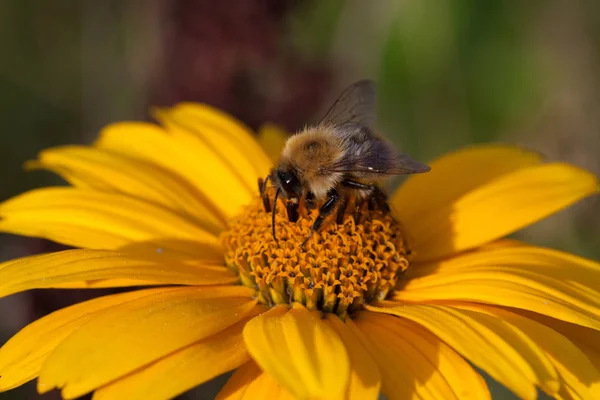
column 356, row 105
column 353, row 115
column 379, row 158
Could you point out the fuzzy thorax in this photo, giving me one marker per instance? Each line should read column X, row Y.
column 308, row 152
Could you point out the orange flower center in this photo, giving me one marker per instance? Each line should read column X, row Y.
column 340, row 268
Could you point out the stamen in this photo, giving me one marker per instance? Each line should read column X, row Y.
column 341, row 268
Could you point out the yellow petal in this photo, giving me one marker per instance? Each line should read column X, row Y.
column 109, row 171
column 458, row 173
column 221, row 190
column 103, row 283
column 454, row 175
column 206, row 119
column 545, row 281
column 50, row 270
column 249, row 382
column 22, row 357
column 195, row 121
column 505, row 353
column 182, row 370
column 501, row 243
column 272, row 138
column 365, row 379
column 447, row 210
column 578, row 373
column 188, row 250
column 91, row 219
column 139, row 332
column 587, row 339
column 300, row 351
column 414, row 363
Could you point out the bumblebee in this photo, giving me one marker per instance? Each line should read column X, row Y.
column 342, row 155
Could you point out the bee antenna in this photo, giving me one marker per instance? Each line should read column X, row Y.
column 274, row 212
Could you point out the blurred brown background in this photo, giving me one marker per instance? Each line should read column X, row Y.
column 451, row 73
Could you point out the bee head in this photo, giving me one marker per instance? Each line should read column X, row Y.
column 286, row 181
column 289, row 183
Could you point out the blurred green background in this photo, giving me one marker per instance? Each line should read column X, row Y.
column 451, row 73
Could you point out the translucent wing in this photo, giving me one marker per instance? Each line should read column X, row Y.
column 353, row 115
column 376, row 158
column 356, row 105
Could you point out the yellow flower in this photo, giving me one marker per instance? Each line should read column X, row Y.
column 401, row 306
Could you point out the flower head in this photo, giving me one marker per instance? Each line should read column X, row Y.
column 345, row 266
column 402, row 303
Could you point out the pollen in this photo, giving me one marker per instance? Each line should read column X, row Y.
column 341, row 267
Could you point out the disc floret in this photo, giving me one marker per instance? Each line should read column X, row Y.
column 342, row 267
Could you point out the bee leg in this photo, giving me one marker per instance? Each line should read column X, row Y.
column 326, row 209
column 377, row 198
column 341, row 210
column 381, row 200
column 309, row 201
column 358, row 204
column 358, row 186
column 371, row 204
column 262, row 188
column 292, row 210
column 367, row 190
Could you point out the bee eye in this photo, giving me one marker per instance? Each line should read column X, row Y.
column 289, row 182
